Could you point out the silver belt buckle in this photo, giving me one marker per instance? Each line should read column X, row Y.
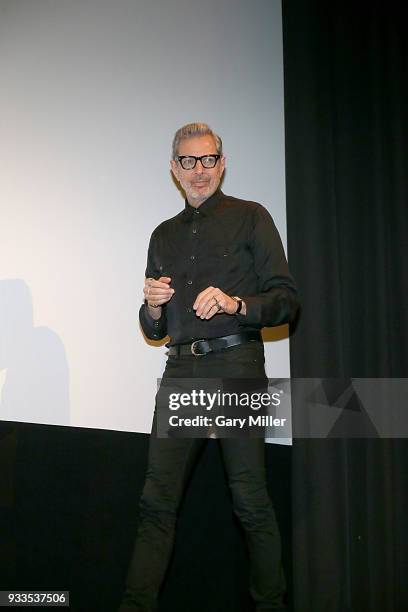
column 193, row 349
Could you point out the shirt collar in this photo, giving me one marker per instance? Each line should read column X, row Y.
column 206, row 208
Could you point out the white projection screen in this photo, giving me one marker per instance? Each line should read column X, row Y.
column 92, row 92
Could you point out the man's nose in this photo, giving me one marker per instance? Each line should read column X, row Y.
column 198, row 167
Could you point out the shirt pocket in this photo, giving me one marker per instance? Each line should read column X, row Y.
column 175, row 269
column 224, row 265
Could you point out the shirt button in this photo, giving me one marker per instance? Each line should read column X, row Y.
column 189, row 282
column 197, row 212
column 192, row 257
column 155, row 335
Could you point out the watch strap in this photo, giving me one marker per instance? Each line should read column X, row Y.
column 239, row 302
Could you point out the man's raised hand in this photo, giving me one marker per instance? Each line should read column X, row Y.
column 157, row 292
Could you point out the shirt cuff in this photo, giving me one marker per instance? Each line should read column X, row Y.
column 154, row 329
column 275, row 307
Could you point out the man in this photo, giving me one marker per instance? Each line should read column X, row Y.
column 216, row 274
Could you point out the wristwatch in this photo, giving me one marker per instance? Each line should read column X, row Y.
column 239, row 302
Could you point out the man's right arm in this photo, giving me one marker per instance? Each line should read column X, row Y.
column 152, row 315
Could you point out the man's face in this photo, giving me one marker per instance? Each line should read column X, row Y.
column 199, row 183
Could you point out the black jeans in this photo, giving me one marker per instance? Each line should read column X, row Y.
column 170, row 464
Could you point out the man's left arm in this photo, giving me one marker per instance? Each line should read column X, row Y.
column 276, row 301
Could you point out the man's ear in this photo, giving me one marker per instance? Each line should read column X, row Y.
column 174, row 168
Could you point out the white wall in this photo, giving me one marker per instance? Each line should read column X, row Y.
column 92, row 92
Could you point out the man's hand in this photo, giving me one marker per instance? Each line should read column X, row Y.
column 157, row 292
column 213, row 301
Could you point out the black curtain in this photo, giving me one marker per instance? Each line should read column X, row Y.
column 346, row 149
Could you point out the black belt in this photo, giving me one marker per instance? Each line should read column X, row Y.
column 202, row 347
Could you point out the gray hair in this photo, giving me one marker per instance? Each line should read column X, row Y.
column 190, row 131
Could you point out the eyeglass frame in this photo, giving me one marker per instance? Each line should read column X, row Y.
column 216, row 155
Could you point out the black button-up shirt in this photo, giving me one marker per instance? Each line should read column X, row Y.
column 227, row 243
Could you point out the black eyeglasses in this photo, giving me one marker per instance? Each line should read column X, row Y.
column 188, row 162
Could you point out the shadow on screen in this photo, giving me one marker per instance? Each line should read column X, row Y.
column 35, row 389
